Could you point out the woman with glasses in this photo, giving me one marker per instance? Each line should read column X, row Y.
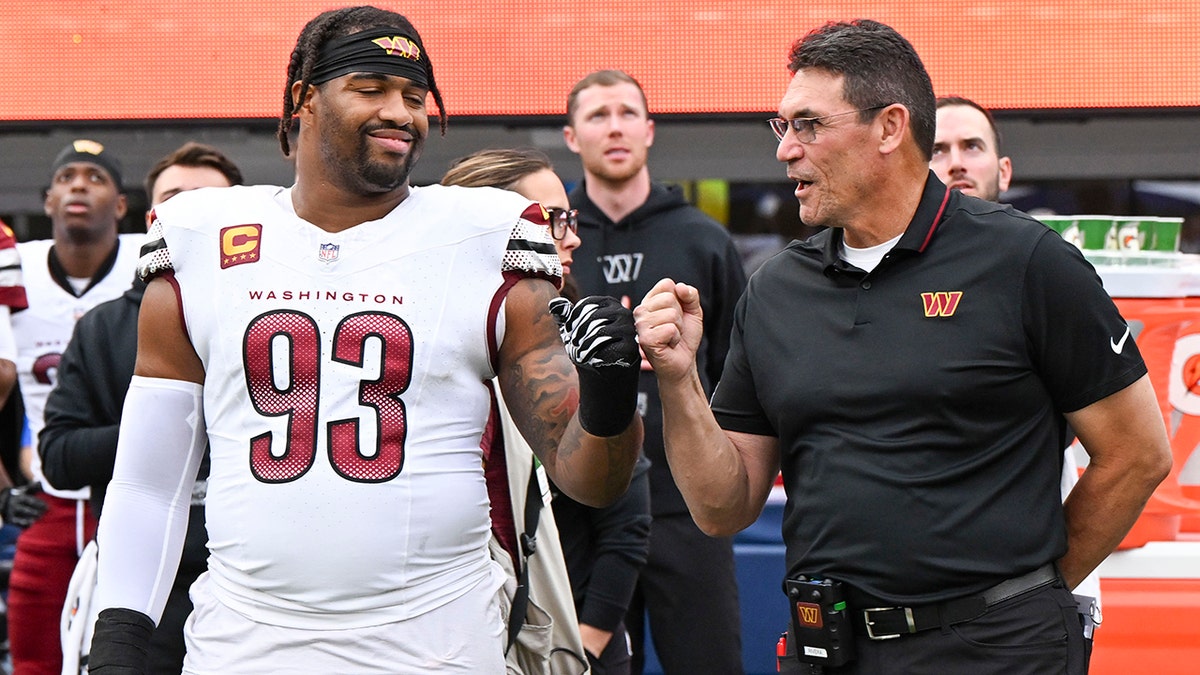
column 604, row 548
column 527, row 172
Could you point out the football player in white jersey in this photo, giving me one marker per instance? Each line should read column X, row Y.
column 78, row 445
column 331, row 342
column 19, row 506
column 12, row 299
column 85, row 263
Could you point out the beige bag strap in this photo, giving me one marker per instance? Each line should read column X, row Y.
column 528, row 545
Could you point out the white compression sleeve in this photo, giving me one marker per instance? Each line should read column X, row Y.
column 145, row 514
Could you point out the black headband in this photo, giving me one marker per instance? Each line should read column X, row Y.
column 378, row 50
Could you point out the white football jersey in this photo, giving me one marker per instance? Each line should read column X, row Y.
column 12, row 292
column 344, row 392
column 43, row 330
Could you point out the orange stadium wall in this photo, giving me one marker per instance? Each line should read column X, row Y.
column 226, row 59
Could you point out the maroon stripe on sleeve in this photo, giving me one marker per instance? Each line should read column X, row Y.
column 510, row 280
column 169, row 275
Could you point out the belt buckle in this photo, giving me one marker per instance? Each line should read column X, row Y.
column 908, row 616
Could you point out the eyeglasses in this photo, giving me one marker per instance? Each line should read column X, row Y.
column 562, row 220
column 806, row 127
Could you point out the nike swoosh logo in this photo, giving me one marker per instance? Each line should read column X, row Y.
column 1118, row 345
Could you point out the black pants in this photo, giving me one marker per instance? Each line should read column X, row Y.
column 167, row 648
column 689, row 590
column 1035, row 633
column 615, row 659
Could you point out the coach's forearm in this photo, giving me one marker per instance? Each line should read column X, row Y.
column 706, row 465
column 1101, row 510
column 1125, row 437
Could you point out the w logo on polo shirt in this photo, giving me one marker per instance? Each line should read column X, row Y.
column 941, row 303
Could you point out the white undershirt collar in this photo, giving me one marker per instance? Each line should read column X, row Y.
column 868, row 258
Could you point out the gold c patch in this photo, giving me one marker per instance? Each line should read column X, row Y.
column 240, row 244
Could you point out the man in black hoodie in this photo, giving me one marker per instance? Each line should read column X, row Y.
column 636, row 231
column 83, row 412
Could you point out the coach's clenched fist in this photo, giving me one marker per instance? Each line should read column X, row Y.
column 670, row 324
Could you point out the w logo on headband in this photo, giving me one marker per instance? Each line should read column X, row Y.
column 400, row 46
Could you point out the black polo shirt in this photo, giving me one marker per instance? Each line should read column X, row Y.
column 919, row 407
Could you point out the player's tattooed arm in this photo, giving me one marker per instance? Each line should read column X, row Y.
column 541, row 388
column 536, row 377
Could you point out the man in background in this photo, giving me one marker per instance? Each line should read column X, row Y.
column 85, row 263
column 12, row 300
column 636, row 231
column 17, row 508
column 966, row 149
column 78, row 446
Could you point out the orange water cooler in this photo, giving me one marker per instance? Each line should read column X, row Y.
column 1150, row 586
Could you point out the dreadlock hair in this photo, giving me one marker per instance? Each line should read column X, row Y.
column 335, row 24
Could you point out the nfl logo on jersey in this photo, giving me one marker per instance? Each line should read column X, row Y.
column 328, row 252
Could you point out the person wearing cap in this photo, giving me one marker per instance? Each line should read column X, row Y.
column 85, row 263
column 78, row 445
column 330, row 342
column 910, row 371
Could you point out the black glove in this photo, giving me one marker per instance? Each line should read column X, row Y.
column 120, row 643
column 602, row 342
column 597, row 332
column 21, row 506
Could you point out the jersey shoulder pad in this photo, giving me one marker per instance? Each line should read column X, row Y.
column 531, row 251
column 156, row 257
column 12, row 284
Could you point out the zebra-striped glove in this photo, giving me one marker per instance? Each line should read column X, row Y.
column 599, row 336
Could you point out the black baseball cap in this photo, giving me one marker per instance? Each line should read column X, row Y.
column 84, row 150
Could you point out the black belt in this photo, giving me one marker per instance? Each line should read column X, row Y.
column 885, row 623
